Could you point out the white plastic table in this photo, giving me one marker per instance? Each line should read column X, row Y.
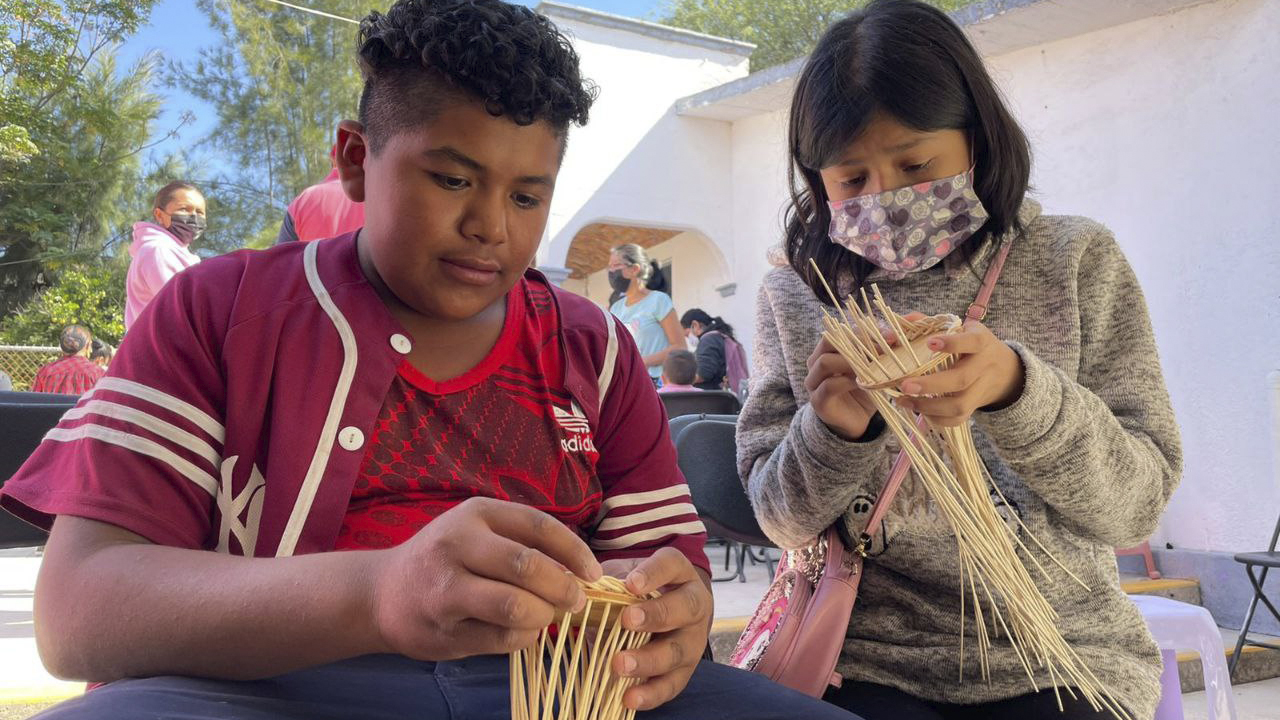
column 1180, row 626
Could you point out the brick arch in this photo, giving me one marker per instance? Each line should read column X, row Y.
column 589, row 250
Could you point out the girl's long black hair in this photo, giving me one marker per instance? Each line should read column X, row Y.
column 911, row 62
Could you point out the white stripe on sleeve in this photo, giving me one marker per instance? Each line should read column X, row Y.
column 140, row 445
column 617, row 522
column 165, row 400
column 168, row 431
column 644, row 498
column 640, row 536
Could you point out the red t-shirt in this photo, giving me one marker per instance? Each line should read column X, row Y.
column 506, row 429
column 72, row 375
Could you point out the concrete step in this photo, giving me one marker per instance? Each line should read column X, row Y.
column 1181, row 589
column 1256, row 663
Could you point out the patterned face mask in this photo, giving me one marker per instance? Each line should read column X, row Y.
column 909, row 229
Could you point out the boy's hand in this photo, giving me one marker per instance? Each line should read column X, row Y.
column 483, row 578
column 680, row 621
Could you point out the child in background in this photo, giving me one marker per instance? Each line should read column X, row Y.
column 342, row 479
column 678, row 372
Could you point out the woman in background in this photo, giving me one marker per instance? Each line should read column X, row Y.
column 648, row 314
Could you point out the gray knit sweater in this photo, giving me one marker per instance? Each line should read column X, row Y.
column 1087, row 457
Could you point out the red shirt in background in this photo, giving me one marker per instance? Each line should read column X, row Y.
column 71, row 375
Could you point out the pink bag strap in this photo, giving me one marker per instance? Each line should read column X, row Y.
column 902, row 464
column 978, row 309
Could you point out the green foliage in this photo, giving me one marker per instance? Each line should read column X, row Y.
column 93, row 297
column 45, row 48
column 72, row 129
column 280, row 80
column 781, row 30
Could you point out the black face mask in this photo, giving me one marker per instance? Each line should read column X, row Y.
column 187, row 227
column 618, row 282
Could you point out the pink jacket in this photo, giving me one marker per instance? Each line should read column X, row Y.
column 157, row 257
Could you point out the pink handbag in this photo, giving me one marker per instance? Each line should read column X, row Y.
column 796, row 634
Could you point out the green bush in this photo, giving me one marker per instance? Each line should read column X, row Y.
column 92, row 296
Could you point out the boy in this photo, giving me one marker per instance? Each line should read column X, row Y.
column 678, row 371
column 464, row 431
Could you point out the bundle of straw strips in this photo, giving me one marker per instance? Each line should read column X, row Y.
column 992, row 575
column 568, row 673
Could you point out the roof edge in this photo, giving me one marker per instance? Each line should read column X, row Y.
column 644, row 27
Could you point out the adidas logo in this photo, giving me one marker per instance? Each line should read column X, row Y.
column 576, row 426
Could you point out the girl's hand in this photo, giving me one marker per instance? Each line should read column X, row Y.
column 835, row 395
column 987, row 375
column 680, row 620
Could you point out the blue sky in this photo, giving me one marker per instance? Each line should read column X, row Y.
column 178, row 30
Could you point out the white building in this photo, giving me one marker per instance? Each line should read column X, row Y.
column 1156, row 117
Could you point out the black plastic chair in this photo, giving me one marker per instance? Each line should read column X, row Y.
column 700, row 402
column 25, row 424
column 15, row 397
column 707, row 455
column 1266, row 560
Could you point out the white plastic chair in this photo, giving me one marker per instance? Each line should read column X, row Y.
column 1180, row 626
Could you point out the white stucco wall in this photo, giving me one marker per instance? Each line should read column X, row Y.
column 1164, row 129
column 619, row 168
column 1161, row 128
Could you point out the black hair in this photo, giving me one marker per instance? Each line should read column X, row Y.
column 680, row 367
column 74, row 338
column 911, row 62
column 423, row 54
column 101, row 350
column 706, row 321
column 167, row 192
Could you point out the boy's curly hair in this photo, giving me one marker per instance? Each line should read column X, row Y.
column 422, row 53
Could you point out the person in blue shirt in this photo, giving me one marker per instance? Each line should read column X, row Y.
column 648, row 314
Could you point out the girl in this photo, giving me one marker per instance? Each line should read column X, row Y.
column 648, row 314
column 161, row 249
column 360, row 468
column 715, row 346
column 908, row 171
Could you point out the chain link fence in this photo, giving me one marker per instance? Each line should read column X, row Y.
column 20, row 362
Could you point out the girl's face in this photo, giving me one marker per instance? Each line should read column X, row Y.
column 889, row 155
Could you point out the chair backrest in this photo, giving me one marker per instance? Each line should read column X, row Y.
column 700, row 402
column 678, row 424
column 707, row 455
column 25, row 425
column 14, row 397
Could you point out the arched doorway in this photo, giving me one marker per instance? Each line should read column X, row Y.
column 698, row 272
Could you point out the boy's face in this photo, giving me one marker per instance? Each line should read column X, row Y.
column 455, row 209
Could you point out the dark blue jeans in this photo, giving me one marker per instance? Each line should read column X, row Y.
column 391, row 687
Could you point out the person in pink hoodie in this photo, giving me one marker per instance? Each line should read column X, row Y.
column 162, row 249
